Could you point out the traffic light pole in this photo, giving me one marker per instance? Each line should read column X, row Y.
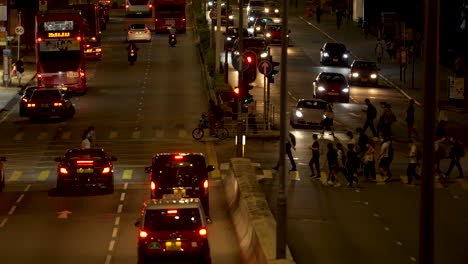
column 226, row 66
column 239, row 149
column 281, row 204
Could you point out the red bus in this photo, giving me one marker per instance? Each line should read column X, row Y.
column 60, row 59
column 92, row 34
column 169, row 12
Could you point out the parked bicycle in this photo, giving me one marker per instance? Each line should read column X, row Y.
column 219, row 131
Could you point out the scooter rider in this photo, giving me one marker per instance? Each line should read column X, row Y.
column 132, row 46
column 172, row 36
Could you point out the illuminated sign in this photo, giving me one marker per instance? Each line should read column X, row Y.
column 59, row 34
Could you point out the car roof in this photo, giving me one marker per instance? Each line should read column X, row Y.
column 311, row 99
column 182, row 203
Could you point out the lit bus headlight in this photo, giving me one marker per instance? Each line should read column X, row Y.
column 373, row 76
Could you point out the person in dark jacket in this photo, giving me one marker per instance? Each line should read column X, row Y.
column 371, row 114
column 352, row 163
column 455, row 154
column 20, row 70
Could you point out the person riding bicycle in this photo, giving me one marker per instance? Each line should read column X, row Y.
column 215, row 116
column 204, row 122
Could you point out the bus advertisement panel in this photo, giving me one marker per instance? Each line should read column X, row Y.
column 169, row 13
column 60, row 60
column 139, row 8
column 92, row 34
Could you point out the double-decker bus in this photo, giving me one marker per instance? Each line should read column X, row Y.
column 92, row 34
column 60, row 59
column 139, row 8
column 168, row 13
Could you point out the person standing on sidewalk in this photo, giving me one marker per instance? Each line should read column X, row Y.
column 318, row 13
column 352, row 164
column 379, row 50
column 369, row 161
column 413, row 161
column 290, row 143
column 410, row 119
column 315, row 160
column 455, row 154
column 20, row 70
column 371, row 114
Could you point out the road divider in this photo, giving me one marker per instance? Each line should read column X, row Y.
column 254, row 223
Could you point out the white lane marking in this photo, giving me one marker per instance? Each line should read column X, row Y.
column 399, row 243
column 117, row 221
column 122, row 196
column 413, row 259
column 119, row 210
column 125, row 186
column 111, row 245
column 27, row 188
column 12, row 210
column 3, row 223
column 20, row 198
column 114, row 232
column 376, row 215
column 353, row 114
column 387, row 228
column 108, row 259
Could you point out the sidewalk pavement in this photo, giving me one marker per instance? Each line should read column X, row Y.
column 7, row 94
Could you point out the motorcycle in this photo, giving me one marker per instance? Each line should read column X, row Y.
column 172, row 40
column 132, row 56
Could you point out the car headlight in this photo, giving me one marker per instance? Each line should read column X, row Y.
column 355, row 74
column 229, row 38
column 325, row 54
column 210, row 3
column 345, row 56
column 321, row 88
column 258, row 28
column 268, row 35
column 251, row 18
column 236, row 52
column 346, row 90
column 263, row 55
column 324, row 116
column 231, row 17
column 276, row 10
column 267, row 10
column 373, row 76
column 250, row 30
column 287, row 36
column 299, row 114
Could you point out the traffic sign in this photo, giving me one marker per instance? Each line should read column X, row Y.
column 213, row 14
column 239, row 63
column 19, row 30
column 265, row 67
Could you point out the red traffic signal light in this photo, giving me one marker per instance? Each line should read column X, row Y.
column 249, row 59
column 236, row 90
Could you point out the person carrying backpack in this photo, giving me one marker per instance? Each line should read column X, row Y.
column 455, row 154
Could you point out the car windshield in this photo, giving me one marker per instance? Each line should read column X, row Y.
column 254, row 43
column 335, row 78
column 311, row 104
column 180, row 219
column 138, row 26
column 339, row 48
column 29, row 91
column 274, row 28
column 257, row 3
column 186, row 171
column 46, row 94
column 365, row 65
column 255, row 13
column 94, row 154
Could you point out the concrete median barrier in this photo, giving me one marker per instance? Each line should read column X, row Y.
column 254, row 223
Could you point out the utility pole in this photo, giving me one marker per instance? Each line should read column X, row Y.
column 218, row 36
column 226, row 65
column 431, row 89
column 281, row 216
column 240, row 122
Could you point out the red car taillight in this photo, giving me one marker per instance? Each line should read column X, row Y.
column 31, row 105
column 153, row 186
column 57, row 104
column 143, row 234
column 82, row 74
column 63, row 171
column 202, row 232
column 130, row 32
column 106, row 170
column 205, row 184
column 146, row 31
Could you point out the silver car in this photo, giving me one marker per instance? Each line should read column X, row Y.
column 138, row 32
column 308, row 112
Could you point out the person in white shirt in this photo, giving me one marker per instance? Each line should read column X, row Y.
column 413, row 161
column 385, row 159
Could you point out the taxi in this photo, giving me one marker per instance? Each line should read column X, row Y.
column 173, row 229
column 46, row 102
column 180, row 173
column 85, row 168
column 273, row 33
column 138, row 32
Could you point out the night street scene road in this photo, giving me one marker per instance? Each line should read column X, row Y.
column 149, row 131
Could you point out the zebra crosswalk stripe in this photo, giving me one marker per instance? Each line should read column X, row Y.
column 16, row 175
column 127, row 174
column 43, row 175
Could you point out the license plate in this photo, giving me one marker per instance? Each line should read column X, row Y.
column 335, row 60
column 170, row 22
column 138, row 33
column 182, row 192
column 175, row 245
column 364, row 80
column 154, row 245
column 89, row 50
column 80, row 170
column 44, row 105
column 331, row 93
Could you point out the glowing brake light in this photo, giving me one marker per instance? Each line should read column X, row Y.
column 143, row 234
column 98, row 49
column 205, row 184
column 130, row 32
column 178, row 157
column 172, row 211
column 146, row 31
column 31, row 105
column 82, row 74
column 87, row 45
column 202, row 232
column 150, row 6
column 127, row 6
column 39, row 39
column 106, row 170
column 25, row 100
column 57, row 104
column 84, row 162
column 78, row 38
column 153, row 186
column 63, row 171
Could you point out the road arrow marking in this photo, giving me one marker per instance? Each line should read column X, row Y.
column 63, row 214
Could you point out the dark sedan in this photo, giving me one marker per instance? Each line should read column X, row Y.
column 46, row 102
column 331, row 86
column 364, row 73
column 232, row 34
column 334, row 54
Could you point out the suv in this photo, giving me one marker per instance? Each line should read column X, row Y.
column 85, row 167
column 180, row 173
column 173, row 229
column 255, row 44
column 334, row 54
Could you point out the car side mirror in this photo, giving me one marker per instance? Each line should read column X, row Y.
column 2, row 158
column 210, row 168
column 112, row 158
column 137, row 223
column 148, row 169
column 58, row 159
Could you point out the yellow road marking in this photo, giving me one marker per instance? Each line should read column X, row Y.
column 16, row 175
column 127, row 174
column 43, row 175
column 66, row 135
column 212, row 160
column 19, row 136
column 113, row 134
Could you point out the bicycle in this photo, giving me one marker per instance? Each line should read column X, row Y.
column 220, row 132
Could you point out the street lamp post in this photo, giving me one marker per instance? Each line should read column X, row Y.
column 240, row 123
column 226, row 66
